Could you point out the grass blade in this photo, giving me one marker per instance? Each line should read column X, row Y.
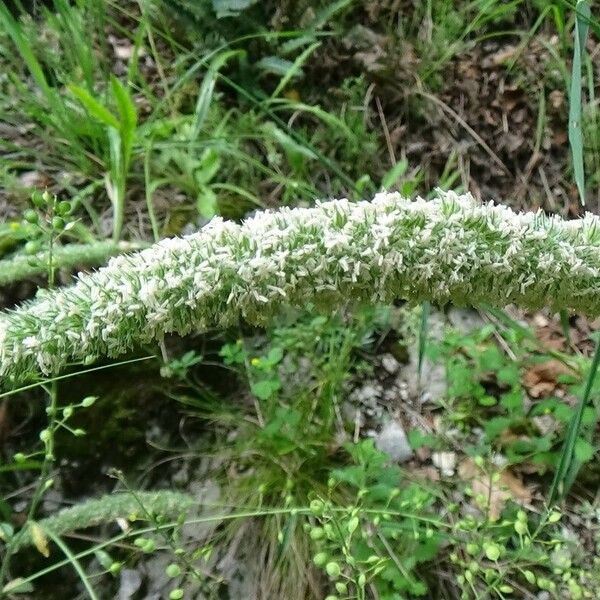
column 11, row 26
column 295, row 69
column 93, row 107
column 582, row 11
column 74, row 562
column 568, row 466
column 425, row 310
column 207, row 88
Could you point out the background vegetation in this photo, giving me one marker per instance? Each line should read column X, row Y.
column 395, row 452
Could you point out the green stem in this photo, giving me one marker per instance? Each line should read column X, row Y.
column 73, row 561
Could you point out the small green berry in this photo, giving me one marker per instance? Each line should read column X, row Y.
column 333, row 569
column 173, row 570
column 37, row 199
column 554, row 517
column 472, row 548
column 492, row 551
column 352, row 525
column 32, row 247
column 115, row 568
column 88, row 401
column 58, row 223
column 176, row 594
column 63, row 208
column 31, row 216
column 341, row 588
column 320, row 559
column 529, row 576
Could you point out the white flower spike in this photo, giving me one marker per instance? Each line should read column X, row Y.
column 451, row 249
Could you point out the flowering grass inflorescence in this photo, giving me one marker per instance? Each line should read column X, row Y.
column 451, row 249
column 24, row 267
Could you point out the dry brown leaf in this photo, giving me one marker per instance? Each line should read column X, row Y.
column 500, row 57
column 541, row 379
column 507, row 487
column 426, row 473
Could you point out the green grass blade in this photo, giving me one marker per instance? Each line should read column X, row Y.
column 295, row 69
column 265, row 109
column 393, row 175
column 43, row 382
column 12, row 27
column 93, row 107
column 425, row 310
column 568, row 465
column 149, row 188
column 128, row 119
column 207, row 88
column 575, row 110
column 74, row 562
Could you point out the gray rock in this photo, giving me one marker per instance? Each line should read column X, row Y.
column 369, row 393
column 393, row 441
column 445, row 462
column 389, row 363
column 130, row 581
column 466, row 320
column 432, row 385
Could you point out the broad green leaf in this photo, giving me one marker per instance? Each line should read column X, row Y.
column 206, row 203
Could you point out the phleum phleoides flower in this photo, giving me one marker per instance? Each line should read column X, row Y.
column 451, row 249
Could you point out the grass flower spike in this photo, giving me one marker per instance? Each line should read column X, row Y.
column 451, row 249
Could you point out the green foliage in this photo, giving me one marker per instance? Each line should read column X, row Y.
column 524, row 551
column 485, row 390
column 383, row 534
column 173, row 112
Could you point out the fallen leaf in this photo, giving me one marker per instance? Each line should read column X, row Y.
column 500, row 57
column 426, row 473
column 541, row 379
